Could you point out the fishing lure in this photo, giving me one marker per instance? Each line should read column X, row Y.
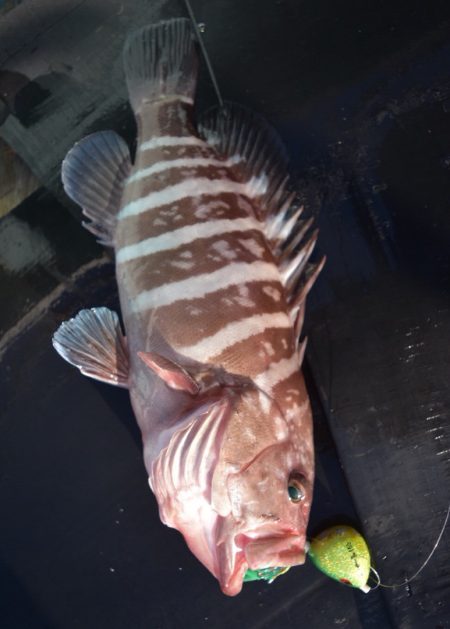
column 342, row 554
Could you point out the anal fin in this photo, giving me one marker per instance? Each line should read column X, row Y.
column 93, row 342
column 93, row 173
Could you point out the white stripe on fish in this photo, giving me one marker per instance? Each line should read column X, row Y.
column 169, row 140
column 233, row 333
column 193, row 187
column 185, row 235
column 183, row 162
column 198, row 286
column 277, row 372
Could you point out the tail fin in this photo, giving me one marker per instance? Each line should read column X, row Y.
column 161, row 62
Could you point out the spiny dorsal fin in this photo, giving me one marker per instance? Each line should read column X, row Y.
column 93, row 342
column 246, row 138
column 293, row 265
column 297, row 298
column 93, row 174
column 308, row 277
column 259, row 157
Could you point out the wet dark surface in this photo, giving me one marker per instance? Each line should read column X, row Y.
column 361, row 97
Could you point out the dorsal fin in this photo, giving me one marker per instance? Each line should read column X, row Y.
column 93, row 342
column 259, row 156
column 93, row 175
column 246, row 138
column 297, row 299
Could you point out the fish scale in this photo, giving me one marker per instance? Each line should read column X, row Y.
column 207, row 255
column 212, row 265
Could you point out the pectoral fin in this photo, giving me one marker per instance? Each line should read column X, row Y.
column 93, row 342
column 175, row 376
column 94, row 173
column 189, row 460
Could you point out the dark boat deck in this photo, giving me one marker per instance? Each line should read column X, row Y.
column 361, row 97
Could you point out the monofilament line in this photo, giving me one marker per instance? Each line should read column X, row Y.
column 204, row 52
column 409, row 579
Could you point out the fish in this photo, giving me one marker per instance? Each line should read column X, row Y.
column 213, row 268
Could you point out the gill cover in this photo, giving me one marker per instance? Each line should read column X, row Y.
column 181, row 478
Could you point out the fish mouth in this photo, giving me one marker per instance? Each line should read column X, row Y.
column 231, row 574
column 244, row 552
column 273, row 552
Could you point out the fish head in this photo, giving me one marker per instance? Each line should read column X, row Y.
column 265, row 504
column 267, row 524
column 236, row 481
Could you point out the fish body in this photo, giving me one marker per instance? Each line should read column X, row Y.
column 208, row 258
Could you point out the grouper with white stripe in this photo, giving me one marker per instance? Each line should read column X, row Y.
column 212, row 262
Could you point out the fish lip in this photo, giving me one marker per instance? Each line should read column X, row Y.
column 231, row 580
column 274, row 551
column 241, row 548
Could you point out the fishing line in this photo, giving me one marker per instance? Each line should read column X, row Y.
column 212, row 75
column 416, row 574
column 342, row 553
column 204, row 52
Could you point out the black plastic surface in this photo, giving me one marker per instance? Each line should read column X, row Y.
column 360, row 95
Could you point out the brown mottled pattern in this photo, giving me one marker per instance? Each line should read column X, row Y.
column 197, row 323
column 160, row 181
column 254, row 355
column 187, row 211
column 289, row 388
column 188, row 321
column 201, row 256
column 208, row 315
column 168, row 117
column 292, row 398
column 160, row 154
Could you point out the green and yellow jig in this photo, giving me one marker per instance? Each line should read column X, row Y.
column 340, row 552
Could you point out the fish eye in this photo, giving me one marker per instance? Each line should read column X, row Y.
column 296, row 487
